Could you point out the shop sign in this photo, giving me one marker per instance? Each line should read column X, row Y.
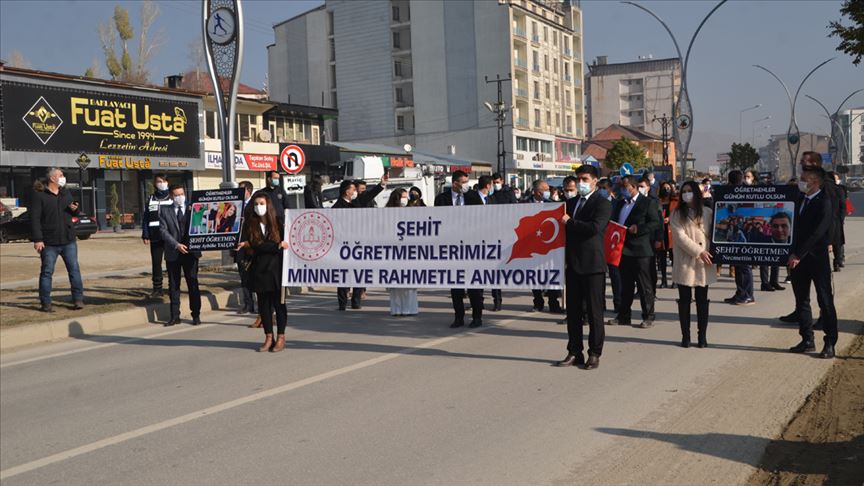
column 259, row 162
column 64, row 120
column 115, row 162
column 397, row 161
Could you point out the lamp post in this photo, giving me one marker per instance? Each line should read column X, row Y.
column 793, row 138
column 741, row 119
column 682, row 129
column 664, row 126
column 753, row 126
column 758, row 133
column 834, row 122
column 500, row 110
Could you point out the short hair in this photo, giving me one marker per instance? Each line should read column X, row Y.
column 160, row 175
column 51, row 170
column 344, row 185
column 174, row 187
column 735, row 177
column 819, row 171
column 536, row 184
column 779, row 215
column 458, row 174
column 644, row 179
column 274, row 172
column 626, row 179
column 706, row 180
column 588, row 169
column 484, row 181
column 360, row 182
column 247, row 185
column 497, row 176
column 814, row 157
column 568, row 180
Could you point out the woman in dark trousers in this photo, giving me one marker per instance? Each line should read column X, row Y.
column 262, row 238
column 663, row 247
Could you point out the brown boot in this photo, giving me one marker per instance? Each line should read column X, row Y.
column 280, row 344
column 257, row 323
column 268, row 343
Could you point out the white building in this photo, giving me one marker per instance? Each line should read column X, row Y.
column 412, row 72
column 631, row 94
column 852, row 122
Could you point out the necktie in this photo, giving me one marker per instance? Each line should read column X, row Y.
column 459, row 199
column 179, row 215
column 804, row 204
column 579, row 206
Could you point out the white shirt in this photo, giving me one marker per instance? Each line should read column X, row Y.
column 484, row 198
column 263, row 229
column 458, row 197
column 626, row 209
column 582, row 202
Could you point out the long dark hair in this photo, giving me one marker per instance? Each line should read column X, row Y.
column 252, row 223
column 682, row 211
column 395, row 198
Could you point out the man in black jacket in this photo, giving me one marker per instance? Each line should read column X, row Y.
column 53, row 235
column 540, row 195
column 174, row 221
column 150, row 233
column 809, row 262
column 585, row 221
column 640, row 215
column 312, row 193
column 501, row 194
column 277, row 195
column 458, row 195
column 348, row 198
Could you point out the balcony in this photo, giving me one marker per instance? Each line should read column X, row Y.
column 535, row 39
column 536, row 68
column 568, row 52
column 522, row 122
column 521, row 63
column 521, row 92
column 519, row 32
column 567, row 78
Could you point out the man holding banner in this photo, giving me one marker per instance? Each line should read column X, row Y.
column 585, row 220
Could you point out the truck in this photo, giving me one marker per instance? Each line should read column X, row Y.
column 370, row 168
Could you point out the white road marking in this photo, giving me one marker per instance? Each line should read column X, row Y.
column 189, row 417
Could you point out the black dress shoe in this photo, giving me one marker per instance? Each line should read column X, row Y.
column 173, row 321
column 156, row 294
column 457, row 323
column 777, row 286
column 341, row 307
column 571, row 360
column 196, row 321
column 731, row 300
column 790, row 318
column 803, row 347
column 767, row 288
column 827, row 351
column 476, row 323
column 355, row 306
column 593, row 363
column 617, row 322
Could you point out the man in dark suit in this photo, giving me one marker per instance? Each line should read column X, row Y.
column 312, row 193
column 501, row 194
column 540, row 194
column 640, row 215
column 241, row 255
column 277, row 195
column 743, row 273
column 809, row 262
column 174, row 227
column 585, row 220
column 349, row 198
column 458, row 195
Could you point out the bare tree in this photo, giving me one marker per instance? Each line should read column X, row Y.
column 124, row 68
column 94, row 70
column 146, row 46
column 197, row 57
column 17, row 60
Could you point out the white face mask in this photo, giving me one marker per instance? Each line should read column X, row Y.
column 403, row 202
column 180, row 201
column 354, row 196
column 748, row 181
column 465, row 188
column 687, row 197
column 61, row 181
column 499, row 186
column 643, row 191
column 584, row 188
column 260, row 209
column 803, row 186
column 546, row 194
column 570, row 194
column 556, row 198
column 162, row 186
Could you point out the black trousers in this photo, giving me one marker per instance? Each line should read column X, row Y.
column 267, row 303
column 815, row 268
column 839, row 255
column 189, row 265
column 661, row 257
column 769, row 275
column 475, row 296
column 552, row 295
column 615, row 282
column 635, row 269
column 652, row 268
column 585, row 299
column 685, row 294
column 342, row 296
column 248, row 300
column 496, row 296
column 157, row 252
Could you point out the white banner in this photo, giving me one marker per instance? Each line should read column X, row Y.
column 514, row 246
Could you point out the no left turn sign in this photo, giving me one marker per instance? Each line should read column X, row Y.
column 292, row 159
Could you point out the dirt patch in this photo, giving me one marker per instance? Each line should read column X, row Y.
column 824, row 441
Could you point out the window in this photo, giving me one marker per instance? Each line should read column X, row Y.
column 545, row 34
column 247, row 127
column 534, row 29
column 536, row 90
column 400, row 122
column 556, row 93
column 557, row 120
column 566, row 68
column 555, row 37
column 555, row 66
column 521, row 143
column 536, row 118
column 399, row 97
column 532, row 144
column 211, row 125
column 567, row 97
column 332, row 49
column 330, row 22
column 536, row 57
column 569, row 124
column 316, row 135
column 547, row 90
column 548, row 117
column 395, row 13
column 546, row 146
column 397, row 44
column 397, row 68
column 546, row 62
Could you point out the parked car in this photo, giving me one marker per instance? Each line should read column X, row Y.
column 18, row 228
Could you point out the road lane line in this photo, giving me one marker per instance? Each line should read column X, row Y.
column 189, row 417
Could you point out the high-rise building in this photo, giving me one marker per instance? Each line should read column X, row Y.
column 413, row 72
column 632, row 94
column 852, row 123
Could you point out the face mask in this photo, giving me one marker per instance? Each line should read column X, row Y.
column 465, row 188
column 748, row 182
column 604, row 193
column 643, row 191
column 546, row 194
column 260, row 209
column 584, row 188
column 570, row 194
column 556, row 198
column 161, row 186
column 518, row 194
column 687, row 197
column 61, row 181
column 403, row 202
column 179, row 201
column 354, row 196
column 274, row 182
column 803, row 186
column 498, row 187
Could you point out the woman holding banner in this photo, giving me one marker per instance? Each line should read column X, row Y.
column 262, row 238
column 692, row 268
column 403, row 302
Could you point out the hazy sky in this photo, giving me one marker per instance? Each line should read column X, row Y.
column 788, row 37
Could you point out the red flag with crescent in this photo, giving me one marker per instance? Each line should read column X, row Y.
column 613, row 242
column 538, row 234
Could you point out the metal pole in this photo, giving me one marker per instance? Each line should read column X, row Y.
column 500, row 114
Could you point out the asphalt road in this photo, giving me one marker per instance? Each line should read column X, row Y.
column 363, row 398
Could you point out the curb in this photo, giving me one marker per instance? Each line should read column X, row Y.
column 101, row 323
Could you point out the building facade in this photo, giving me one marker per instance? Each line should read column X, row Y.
column 852, row 124
column 774, row 156
column 632, row 94
column 413, row 72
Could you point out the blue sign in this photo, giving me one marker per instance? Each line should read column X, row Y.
column 826, row 158
column 626, row 169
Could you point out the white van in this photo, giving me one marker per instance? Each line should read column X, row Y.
column 371, row 169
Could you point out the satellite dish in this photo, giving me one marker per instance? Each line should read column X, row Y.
column 265, row 135
column 407, row 147
column 489, row 106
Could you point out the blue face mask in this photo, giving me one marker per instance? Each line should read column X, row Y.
column 274, row 182
column 547, row 194
column 604, row 193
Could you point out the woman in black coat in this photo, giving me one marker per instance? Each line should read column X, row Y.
column 262, row 238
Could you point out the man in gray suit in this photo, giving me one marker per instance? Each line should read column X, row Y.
column 174, row 226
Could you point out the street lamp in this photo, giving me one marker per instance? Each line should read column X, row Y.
column 793, row 139
column 755, row 132
column 741, row 118
column 500, row 110
column 754, row 127
column 682, row 129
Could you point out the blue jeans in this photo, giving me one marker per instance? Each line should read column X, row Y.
column 743, row 282
column 69, row 252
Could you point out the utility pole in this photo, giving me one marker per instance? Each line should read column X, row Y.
column 500, row 111
column 664, row 134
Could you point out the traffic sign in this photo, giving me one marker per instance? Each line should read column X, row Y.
column 626, row 169
column 292, row 159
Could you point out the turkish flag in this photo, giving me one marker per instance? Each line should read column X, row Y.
column 539, row 234
column 613, row 242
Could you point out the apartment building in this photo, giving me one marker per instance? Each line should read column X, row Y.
column 631, row 94
column 852, row 123
column 774, row 156
column 412, row 72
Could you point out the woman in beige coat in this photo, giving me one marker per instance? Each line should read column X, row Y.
column 692, row 268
